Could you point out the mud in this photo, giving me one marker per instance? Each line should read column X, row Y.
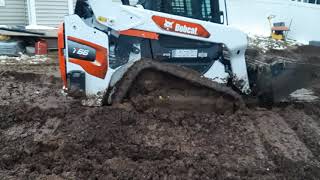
column 284, row 71
column 45, row 134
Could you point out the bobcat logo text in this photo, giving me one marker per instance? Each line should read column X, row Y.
column 171, row 25
column 181, row 26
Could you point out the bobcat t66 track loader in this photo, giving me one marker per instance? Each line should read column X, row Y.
column 107, row 45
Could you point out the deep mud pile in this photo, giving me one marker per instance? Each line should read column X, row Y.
column 46, row 135
column 284, row 71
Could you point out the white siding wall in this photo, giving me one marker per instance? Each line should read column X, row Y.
column 13, row 13
column 51, row 12
column 251, row 16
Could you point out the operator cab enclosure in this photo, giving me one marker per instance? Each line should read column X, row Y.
column 194, row 54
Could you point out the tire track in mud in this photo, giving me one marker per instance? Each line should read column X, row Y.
column 306, row 127
column 281, row 138
column 291, row 155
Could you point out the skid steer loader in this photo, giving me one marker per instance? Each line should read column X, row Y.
column 108, row 45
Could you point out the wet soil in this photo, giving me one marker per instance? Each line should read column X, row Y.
column 47, row 135
column 284, row 71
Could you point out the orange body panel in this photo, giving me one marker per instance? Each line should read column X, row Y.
column 99, row 67
column 62, row 60
column 139, row 33
column 179, row 26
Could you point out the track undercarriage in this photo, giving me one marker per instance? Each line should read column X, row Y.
column 149, row 83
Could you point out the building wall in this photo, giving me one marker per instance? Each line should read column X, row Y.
column 13, row 13
column 51, row 12
column 251, row 16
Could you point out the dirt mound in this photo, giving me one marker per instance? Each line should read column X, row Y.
column 308, row 51
column 304, row 54
column 30, row 88
column 279, row 73
column 46, row 135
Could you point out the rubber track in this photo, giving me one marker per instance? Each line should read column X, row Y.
column 123, row 86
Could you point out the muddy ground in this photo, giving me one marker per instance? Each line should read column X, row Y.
column 47, row 135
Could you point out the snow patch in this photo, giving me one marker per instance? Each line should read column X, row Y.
column 37, row 27
column 305, row 95
column 23, row 58
column 267, row 43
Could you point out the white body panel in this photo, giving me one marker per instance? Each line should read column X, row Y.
column 217, row 70
column 94, row 85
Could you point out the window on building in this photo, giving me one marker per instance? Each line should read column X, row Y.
column 308, row 1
